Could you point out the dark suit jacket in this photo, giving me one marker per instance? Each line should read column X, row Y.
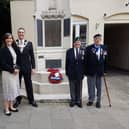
column 92, row 64
column 74, row 68
column 6, row 60
column 27, row 60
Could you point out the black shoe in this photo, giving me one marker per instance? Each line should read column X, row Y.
column 98, row 105
column 34, row 104
column 79, row 104
column 71, row 104
column 14, row 110
column 7, row 113
column 89, row 103
column 16, row 104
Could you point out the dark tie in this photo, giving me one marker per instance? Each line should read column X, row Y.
column 77, row 54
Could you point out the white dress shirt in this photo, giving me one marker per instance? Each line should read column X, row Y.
column 21, row 45
column 98, row 53
column 75, row 52
column 13, row 54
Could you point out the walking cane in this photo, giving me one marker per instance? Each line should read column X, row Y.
column 107, row 91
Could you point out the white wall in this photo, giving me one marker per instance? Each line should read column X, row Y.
column 22, row 12
column 94, row 10
column 43, row 5
column 22, row 16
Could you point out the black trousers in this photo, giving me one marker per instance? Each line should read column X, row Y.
column 76, row 90
column 28, row 85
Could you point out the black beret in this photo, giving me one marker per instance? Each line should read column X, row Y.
column 77, row 39
column 97, row 35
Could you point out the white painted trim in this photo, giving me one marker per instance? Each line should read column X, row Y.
column 77, row 30
column 49, row 84
column 44, row 51
column 79, row 22
column 45, row 72
column 116, row 22
column 71, row 29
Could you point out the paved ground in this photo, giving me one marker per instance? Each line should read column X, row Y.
column 61, row 116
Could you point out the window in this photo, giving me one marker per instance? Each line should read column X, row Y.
column 52, row 33
column 53, row 63
column 80, row 30
column 39, row 33
column 67, row 27
column 83, row 34
column 74, row 32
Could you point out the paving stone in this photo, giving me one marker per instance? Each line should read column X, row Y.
column 61, row 116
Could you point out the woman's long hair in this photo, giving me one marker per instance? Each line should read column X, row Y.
column 6, row 36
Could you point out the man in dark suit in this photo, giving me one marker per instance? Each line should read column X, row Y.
column 27, row 66
column 75, row 71
column 94, row 69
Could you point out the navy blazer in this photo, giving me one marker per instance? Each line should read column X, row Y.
column 74, row 68
column 93, row 66
column 27, row 60
column 6, row 60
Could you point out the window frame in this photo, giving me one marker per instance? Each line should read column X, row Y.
column 77, row 28
column 43, row 27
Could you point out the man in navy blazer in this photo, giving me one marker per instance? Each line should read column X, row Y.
column 94, row 69
column 27, row 66
column 75, row 72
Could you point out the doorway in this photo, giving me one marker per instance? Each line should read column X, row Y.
column 116, row 37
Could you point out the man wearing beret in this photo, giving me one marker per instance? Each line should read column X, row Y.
column 94, row 69
column 75, row 72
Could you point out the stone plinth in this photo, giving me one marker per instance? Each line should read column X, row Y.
column 44, row 90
